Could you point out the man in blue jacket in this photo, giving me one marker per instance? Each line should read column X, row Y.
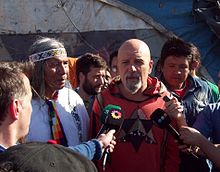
column 176, row 61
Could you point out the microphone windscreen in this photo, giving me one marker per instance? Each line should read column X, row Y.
column 160, row 118
column 112, row 117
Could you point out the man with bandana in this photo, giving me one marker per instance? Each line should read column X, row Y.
column 58, row 112
column 141, row 146
column 16, row 109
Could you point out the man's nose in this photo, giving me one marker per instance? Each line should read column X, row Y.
column 133, row 68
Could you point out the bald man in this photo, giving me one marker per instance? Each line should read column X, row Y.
column 141, row 146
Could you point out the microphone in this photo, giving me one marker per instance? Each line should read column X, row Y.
column 112, row 117
column 162, row 120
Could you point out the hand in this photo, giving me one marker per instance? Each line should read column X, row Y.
column 190, row 136
column 175, row 111
column 107, row 140
column 184, row 148
column 193, row 137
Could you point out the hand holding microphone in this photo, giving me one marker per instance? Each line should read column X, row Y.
column 175, row 110
column 162, row 120
column 112, row 119
column 107, row 140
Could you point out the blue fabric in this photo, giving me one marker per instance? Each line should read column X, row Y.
column 177, row 17
column 2, row 149
column 208, row 124
column 195, row 100
column 91, row 149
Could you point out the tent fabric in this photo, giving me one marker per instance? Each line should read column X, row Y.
column 179, row 18
column 107, row 23
column 209, row 11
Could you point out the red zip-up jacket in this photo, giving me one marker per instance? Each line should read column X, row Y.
column 141, row 146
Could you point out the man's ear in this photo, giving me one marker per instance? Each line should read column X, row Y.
column 14, row 109
column 151, row 66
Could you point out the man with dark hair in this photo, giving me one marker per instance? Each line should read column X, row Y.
column 176, row 61
column 196, row 60
column 90, row 71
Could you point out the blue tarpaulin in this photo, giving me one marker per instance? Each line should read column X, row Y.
column 179, row 18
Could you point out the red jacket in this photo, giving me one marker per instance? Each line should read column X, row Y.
column 141, row 146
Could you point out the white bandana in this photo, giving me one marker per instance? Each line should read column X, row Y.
column 58, row 52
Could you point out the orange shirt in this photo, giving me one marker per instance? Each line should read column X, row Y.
column 72, row 72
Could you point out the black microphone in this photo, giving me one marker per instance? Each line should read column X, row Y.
column 112, row 117
column 162, row 120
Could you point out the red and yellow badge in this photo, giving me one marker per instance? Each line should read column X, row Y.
column 116, row 114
